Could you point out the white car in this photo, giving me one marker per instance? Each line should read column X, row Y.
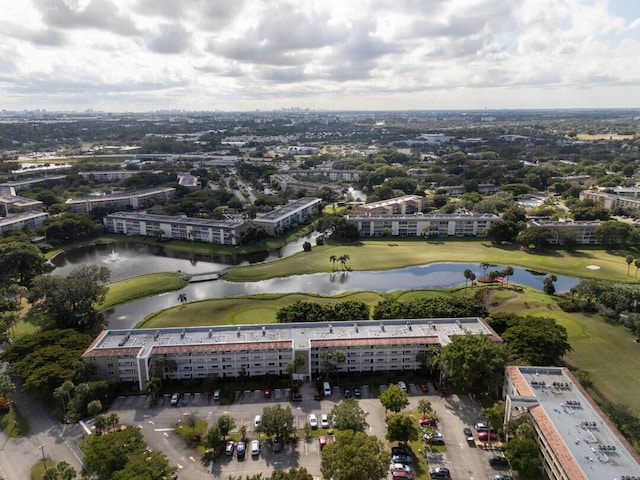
column 256, row 421
column 324, row 420
column 255, row 447
column 400, row 467
column 402, row 385
column 313, row 420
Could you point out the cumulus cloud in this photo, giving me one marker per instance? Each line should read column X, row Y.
column 170, row 39
column 99, row 14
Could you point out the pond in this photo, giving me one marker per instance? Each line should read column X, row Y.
column 128, row 259
column 437, row 275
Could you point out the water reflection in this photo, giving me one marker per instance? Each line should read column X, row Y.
column 438, row 275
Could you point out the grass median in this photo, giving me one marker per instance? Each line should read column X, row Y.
column 142, row 286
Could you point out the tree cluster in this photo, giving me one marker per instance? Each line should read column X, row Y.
column 355, row 455
column 291, row 474
column 70, row 227
column 434, row 307
column 300, row 311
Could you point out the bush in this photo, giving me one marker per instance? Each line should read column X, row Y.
column 306, row 246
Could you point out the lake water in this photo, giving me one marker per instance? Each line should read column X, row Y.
column 437, row 275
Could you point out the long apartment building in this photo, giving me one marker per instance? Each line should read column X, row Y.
column 222, row 232
column 611, row 201
column 135, row 200
column 256, row 350
column 428, row 225
column 15, row 203
column 331, row 174
column 405, row 204
column 23, row 219
column 582, row 232
column 108, row 175
column 299, row 211
column 577, row 441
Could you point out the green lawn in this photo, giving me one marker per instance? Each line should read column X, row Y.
column 384, row 254
column 606, row 350
column 143, row 286
column 241, row 310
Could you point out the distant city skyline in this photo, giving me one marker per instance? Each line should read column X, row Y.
column 244, row 55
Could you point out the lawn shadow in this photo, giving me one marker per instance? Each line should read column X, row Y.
column 578, row 254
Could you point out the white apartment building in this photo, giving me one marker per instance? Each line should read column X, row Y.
column 222, row 232
column 333, row 175
column 405, row 204
column 14, row 203
column 577, row 441
column 136, row 200
column 582, row 231
column 257, row 350
column 423, row 225
column 611, row 201
column 109, row 175
column 299, row 211
column 23, row 219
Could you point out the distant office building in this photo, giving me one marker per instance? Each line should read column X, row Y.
column 135, row 200
column 423, row 225
column 405, row 204
column 611, row 201
column 23, row 219
column 483, row 188
column 257, row 350
column 299, row 211
column 577, row 441
column 581, row 232
column 14, row 203
column 222, row 232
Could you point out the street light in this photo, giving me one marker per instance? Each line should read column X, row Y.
column 44, row 460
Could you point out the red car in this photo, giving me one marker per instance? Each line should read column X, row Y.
column 427, row 421
column 423, row 387
column 266, row 392
column 484, row 436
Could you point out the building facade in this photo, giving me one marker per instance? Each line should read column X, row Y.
column 109, row 175
column 577, row 441
column 135, row 200
column 222, row 232
column 404, row 205
column 299, row 211
column 423, row 225
column 23, row 219
column 128, row 356
column 581, row 232
column 611, row 201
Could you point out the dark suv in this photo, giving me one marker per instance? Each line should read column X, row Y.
column 498, row 461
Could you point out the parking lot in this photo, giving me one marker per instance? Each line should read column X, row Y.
column 464, row 460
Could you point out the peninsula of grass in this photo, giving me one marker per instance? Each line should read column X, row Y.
column 385, row 254
column 133, row 288
column 242, row 310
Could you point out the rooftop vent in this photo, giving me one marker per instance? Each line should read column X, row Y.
column 264, row 331
column 210, row 333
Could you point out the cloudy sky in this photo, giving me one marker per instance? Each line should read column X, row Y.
column 139, row 55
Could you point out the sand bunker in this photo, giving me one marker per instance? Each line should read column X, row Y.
column 593, row 267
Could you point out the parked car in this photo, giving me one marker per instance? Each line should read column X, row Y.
column 357, row 392
column 402, row 459
column 503, row 477
column 175, row 399
column 229, row 448
column 485, row 436
column 435, row 438
column 402, row 385
column 324, row 420
column 313, row 421
column 400, row 467
column 322, row 441
column 255, row 448
column 498, row 461
column 400, row 450
column 266, row 392
column 430, row 421
column 256, row 421
column 440, row 472
column 468, row 434
column 216, row 394
column 241, row 449
column 423, row 387
column 347, row 392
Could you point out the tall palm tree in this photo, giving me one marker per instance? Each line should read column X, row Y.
column 333, row 259
column 182, row 298
column 629, row 261
column 637, row 265
column 343, row 259
column 507, row 272
column 467, row 275
column 484, row 266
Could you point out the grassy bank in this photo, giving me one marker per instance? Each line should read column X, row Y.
column 242, row 310
column 143, row 286
column 384, row 254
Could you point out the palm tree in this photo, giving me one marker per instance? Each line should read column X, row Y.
column 343, row 259
column 153, row 386
column 484, row 266
column 629, row 260
column 182, row 298
column 507, row 272
column 637, row 265
column 333, row 259
column 467, row 275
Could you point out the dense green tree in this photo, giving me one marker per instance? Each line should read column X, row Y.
column 548, row 284
column 502, row 231
column 614, row 233
column 70, row 301
column 20, row 262
column 226, row 423
column 104, row 455
column 292, row 474
column 424, row 406
column 394, row 398
column 45, row 360
column 354, row 456
column 6, row 386
column 473, row 361
column 69, row 227
column 535, row 237
column 441, row 306
column 66, row 471
column 147, row 465
column 402, row 428
column 277, row 421
column 524, row 457
column 625, row 420
column 347, row 415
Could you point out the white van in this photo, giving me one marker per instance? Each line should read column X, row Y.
column 327, row 389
